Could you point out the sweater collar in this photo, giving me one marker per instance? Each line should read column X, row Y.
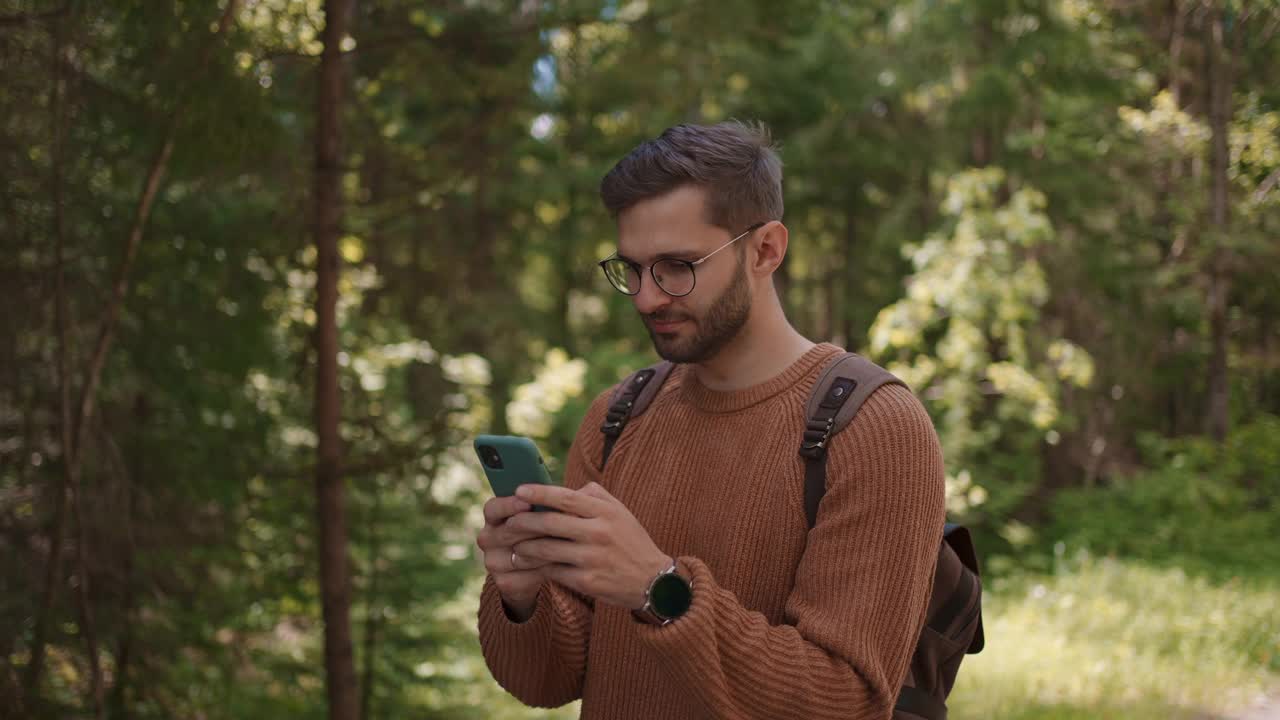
column 704, row 398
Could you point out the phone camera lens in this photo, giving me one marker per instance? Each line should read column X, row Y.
column 491, row 457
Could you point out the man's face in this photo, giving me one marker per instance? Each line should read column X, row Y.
column 695, row 327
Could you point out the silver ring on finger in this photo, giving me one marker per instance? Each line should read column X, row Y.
column 513, row 559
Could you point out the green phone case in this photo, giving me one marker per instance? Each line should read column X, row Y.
column 518, row 463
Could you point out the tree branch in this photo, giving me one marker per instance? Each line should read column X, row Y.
column 150, row 188
column 1266, row 186
column 28, row 18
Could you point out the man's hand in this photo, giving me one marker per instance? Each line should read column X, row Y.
column 594, row 545
column 516, row 577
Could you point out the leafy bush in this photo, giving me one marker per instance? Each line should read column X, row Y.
column 1207, row 508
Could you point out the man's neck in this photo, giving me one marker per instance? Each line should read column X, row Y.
column 765, row 346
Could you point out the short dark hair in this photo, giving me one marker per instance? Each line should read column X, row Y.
column 735, row 163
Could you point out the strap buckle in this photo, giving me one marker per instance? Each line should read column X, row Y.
column 814, row 447
column 616, row 417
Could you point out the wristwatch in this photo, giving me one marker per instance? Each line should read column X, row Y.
column 668, row 597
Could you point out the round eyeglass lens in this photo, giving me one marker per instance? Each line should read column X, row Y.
column 674, row 276
column 622, row 276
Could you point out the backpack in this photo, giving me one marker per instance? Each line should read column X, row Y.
column 953, row 625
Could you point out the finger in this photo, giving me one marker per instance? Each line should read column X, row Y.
column 522, row 563
column 538, row 524
column 484, row 538
column 530, row 525
column 498, row 509
column 574, row 578
column 496, row 537
column 499, row 562
column 562, row 499
column 509, row 533
column 517, row 579
column 551, row 550
column 596, row 490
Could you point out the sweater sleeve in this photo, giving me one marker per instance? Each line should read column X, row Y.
column 543, row 661
column 861, row 592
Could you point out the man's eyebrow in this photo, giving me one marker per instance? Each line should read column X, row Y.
column 673, row 255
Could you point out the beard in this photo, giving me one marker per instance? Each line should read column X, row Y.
column 713, row 331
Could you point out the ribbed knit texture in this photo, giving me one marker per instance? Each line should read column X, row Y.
column 785, row 622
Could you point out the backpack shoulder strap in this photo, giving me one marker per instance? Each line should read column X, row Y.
column 630, row 399
column 846, row 383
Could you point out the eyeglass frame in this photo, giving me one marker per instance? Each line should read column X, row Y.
column 638, row 268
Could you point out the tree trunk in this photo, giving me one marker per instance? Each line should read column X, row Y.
column 569, row 225
column 1166, row 186
column 53, row 569
column 1219, row 279
column 133, row 473
column 75, row 423
column 373, row 609
column 70, row 480
column 982, row 139
column 335, row 589
column 1177, row 33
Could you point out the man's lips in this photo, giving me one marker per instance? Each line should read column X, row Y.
column 665, row 326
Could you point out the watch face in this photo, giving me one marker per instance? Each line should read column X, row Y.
column 671, row 596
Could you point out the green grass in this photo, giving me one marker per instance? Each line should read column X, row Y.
column 1113, row 639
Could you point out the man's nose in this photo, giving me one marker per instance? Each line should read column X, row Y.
column 651, row 298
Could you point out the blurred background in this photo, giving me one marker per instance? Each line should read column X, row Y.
column 268, row 265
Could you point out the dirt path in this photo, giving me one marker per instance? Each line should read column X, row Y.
column 1267, row 709
column 1264, row 707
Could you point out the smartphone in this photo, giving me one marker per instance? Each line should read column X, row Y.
column 510, row 461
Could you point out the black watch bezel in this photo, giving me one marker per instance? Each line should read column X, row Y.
column 671, row 596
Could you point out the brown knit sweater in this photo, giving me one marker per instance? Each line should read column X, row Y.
column 785, row 622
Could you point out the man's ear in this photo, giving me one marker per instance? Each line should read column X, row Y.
column 770, row 244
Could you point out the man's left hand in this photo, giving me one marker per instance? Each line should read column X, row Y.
column 594, row 545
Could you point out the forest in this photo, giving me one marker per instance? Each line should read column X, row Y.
column 268, row 266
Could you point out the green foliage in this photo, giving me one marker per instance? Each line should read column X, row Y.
column 1008, row 203
column 606, row 366
column 968, row 336
column 1201, row 506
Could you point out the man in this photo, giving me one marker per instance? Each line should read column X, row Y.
column 703, row 494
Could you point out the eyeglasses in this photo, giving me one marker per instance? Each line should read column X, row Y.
column 674, row 276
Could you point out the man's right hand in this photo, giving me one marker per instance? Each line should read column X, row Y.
column 518, row 584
